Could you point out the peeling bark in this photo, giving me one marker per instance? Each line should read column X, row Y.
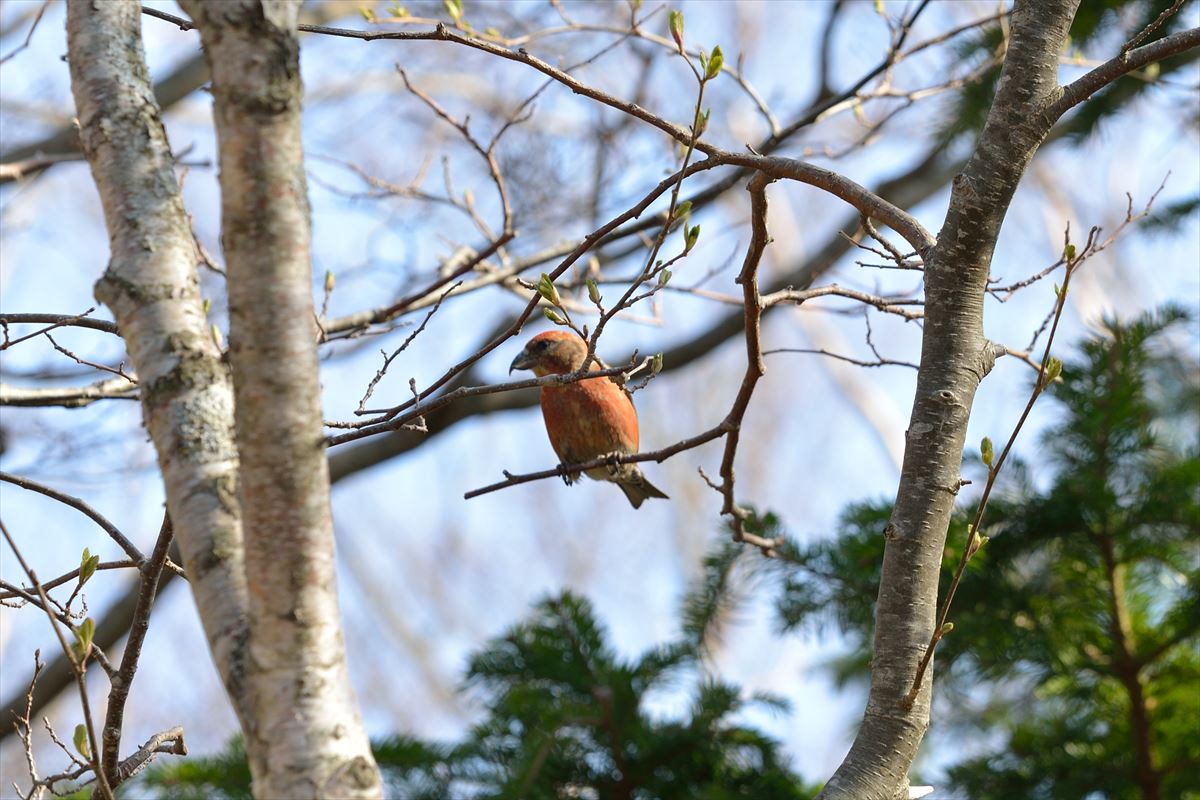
column 152, row 288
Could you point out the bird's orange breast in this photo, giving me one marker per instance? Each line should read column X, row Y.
column 590, row 418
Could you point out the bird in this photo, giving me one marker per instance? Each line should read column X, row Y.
column 587, row 419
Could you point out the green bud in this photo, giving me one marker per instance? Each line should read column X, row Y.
column 949, row 626
column 83, row 635
column 656, row 364
column 593, row 291
column 690, row 238
column 546, row 289
column 1053, row 370
column 454, row 9
column 207, row 306
column 329, row 281
column 1069, row 252
column 702, row 126
column 980, row 541
column 663, row 277
column 675, row 25
column 703, row 61
column 367, row 13
column 81, row 741
column 553, row 316
column 715, row 61
column 1057, row 290
column 683, row 209
column 217, row 338
column 985, row 450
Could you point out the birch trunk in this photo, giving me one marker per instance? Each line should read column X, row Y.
column 306, row 738
column 152, row 288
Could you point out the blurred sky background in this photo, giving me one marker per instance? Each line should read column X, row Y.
column 426, row 577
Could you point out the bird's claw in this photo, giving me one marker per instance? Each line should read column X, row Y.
column 567, row 476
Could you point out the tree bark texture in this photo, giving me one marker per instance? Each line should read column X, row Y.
column 955, row 357
column 306, row 738
column 153, row 290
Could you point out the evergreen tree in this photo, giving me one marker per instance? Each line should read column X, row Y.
column 1076, row 625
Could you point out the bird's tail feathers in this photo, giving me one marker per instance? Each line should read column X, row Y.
column 638, row 489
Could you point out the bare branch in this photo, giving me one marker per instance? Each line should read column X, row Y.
column 121, row 682
column 77, row 663
column 68, row 396
column 79, row 505
column 1127, row 61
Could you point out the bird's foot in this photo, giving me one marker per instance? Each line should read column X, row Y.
column 567, row 476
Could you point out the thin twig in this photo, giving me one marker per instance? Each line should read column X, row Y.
column 76, row 665
column 974, row 542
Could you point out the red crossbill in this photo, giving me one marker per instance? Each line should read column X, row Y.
column 587, row 419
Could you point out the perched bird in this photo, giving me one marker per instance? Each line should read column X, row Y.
column 588, row 419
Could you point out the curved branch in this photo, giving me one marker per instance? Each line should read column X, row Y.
column 74, row 502
column 1081, row 89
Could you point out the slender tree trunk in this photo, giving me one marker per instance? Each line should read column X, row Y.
column 152, row 288
column 306, row 739
column 1125, row 665
column 955, row 357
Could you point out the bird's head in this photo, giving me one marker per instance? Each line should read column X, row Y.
column 551, row 352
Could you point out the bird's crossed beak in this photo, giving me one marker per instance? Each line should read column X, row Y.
column 522, row 361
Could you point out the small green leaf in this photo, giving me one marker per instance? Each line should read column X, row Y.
column 985, row 450
column 207, row 306
column 553, row 316
column 367, row 13
column 329, row 281
column 690, row 238
column 454, row 8
column 217, row 338
column 949, row 626
column 87, row 567
column 715, row 61
column 593, row 291
column 703, row 61
column 683, row 209
column 663, row 277
column 546, row 289
column 398, row 11
column 84, row 633
column 879, row 7
column 81, row 741
column 1057, row 290
column 702, row 125
column 675, row 25
column 1069, row 253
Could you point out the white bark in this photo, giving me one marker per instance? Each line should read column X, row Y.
column 152, row 288
column 306, row 738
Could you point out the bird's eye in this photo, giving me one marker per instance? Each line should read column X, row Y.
column 543, row 344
